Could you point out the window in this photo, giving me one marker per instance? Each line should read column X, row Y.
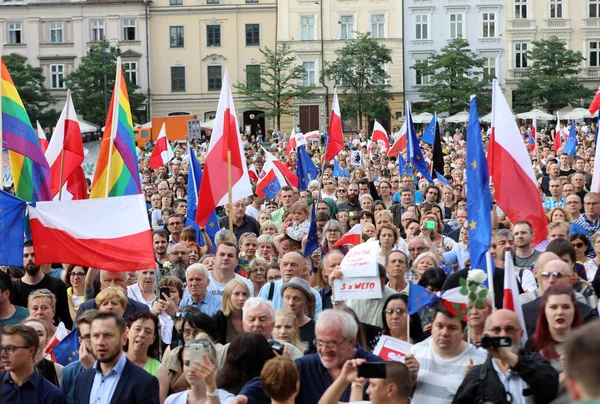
column 214, row 78
column 594, row 6
column 489, row 67
column 56, row 32
column 15, row 35
column 520, row 55
column 57, row 76
column 520, row 9
column 213, row 35
column 213, row 1
column 377, row 26
column 131, row 73
column 177, row 78
column 310, row 73
column 457, row 25
column 421, row 78
column 253, row 76
column 176, row 2
column 489, row 25
column 594, row 56
column 556, row 8
column 252, row 35
column 251, row 1
column 97, row 30
column 129, row 30
column 346, row 27
column 421, row 26
column 307, row 28
column 176, row 34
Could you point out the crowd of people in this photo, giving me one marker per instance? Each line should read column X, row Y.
column 250, row 317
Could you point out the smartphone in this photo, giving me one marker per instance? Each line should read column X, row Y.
column 196, row 352
column 164, row 290
column 430, row 225
column 372, row 370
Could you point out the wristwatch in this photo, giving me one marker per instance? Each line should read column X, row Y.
column 213, row 393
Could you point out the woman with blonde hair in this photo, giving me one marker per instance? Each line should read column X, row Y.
column 112, row 299
column 286, row 328
column 423, row 262
column 42, row 306
column 559, row 214
column 229, row 318
column 268, row 227
column 257, row 272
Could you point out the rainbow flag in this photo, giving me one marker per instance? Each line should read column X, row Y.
column 119, row 173
column 29, row 165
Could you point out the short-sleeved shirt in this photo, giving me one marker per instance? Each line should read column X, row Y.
column 216, row 288
column 20, row 314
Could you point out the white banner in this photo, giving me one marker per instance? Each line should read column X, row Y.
column 360, row 275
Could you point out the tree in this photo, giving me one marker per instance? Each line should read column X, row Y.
column 87, row 84
column 359, row 71
column 550, row 80
column 454, row 75
column 29, row 82
column 275, row 83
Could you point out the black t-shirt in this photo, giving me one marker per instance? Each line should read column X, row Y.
column 567, row 172
column 307, row 333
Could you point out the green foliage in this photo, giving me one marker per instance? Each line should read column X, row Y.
column 551, row 77
column 280, row 77
column 358, row 70
column 29, row 82
column 87, row 85
column 454, row 75
column 470, row 289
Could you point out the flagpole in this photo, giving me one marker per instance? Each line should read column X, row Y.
column 408, row 317
column 113, row 128
column 490, row 275
column 322, row 168
column 62, row 153
column 230, row 195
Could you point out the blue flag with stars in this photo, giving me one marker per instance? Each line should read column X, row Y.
column 306, row 169
column 414, row 153
column 441, row 179
column 571, row 144
column 419, row 298
column 312, row 240
column 430, row 132
column 479, row 199
column 193, row 186
column 67, row 350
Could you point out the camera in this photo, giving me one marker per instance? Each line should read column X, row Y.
column 276, row 346
column 495, row 342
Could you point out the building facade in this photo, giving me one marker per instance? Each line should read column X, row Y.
column 56, row 35
column 429, row 25
column 316, row 29
column 193, row 42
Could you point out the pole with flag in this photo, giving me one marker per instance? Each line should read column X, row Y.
column 113, row 128
column 414, row 153
column 534, row 135
column 41, row 136
column 335, row 139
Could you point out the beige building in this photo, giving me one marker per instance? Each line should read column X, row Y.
column 316, row 29
column 576, row 22
column 56, row 35
column 193, row 42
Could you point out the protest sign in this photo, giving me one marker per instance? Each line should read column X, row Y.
column 360, row 276
column 392, row 349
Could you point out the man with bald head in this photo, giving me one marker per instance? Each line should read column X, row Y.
column 290, row 265
column 508, row 371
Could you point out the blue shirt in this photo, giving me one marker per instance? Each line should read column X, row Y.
column 69, row 377
column 278, row 299
column 104, row 386
column 36, row 389
column 209, row 306
column 585, row 226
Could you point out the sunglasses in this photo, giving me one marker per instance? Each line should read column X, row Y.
column 397, row 311
column 578, row 245
column 556, row 275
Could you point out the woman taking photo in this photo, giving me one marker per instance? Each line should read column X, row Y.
column 75, row 281
column 229, row 319
column 394, row 317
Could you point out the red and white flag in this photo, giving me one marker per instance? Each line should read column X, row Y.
column 335, row 141
column 296, row 139
column 65, row 150
column 400, row 144
column 353, row 237
column 225, row 139
column 511, row 170
column 512, row 301
column 108, row 233
column 595, row 105
column 76, row 186
column 162, row 152
column 252, row 173
column 275, row 170
column 533, row 147
column 380, row 134
column 557, row 135
column 455, row 302
column 315, row 134
column 42, row 137
column 59, row 335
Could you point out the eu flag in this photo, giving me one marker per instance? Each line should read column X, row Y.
column 403, row 168
column 312, row 240
column 441, row 179
column 419, row 298
column 431, row 131
column 571, row 144
column 415, row 155
column 67, row 350
column 337, row 170
column 272, row 188
column 479, row 200
column 306, row 169
column 12, row 216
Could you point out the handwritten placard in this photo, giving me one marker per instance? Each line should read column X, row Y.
column 360, row 278
column 392, row 349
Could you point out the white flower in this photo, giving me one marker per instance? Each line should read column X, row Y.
column 243, row 255
column 476, row 276
column 167, row 265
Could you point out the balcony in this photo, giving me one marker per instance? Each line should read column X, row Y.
column 556, row 24
column 591, row 23
column 516, row 73
column 592, row 72
column 521, row 24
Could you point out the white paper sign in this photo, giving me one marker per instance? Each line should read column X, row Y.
column 392, row 349
column 355, row 158
column 366, row 287
column 360, row 275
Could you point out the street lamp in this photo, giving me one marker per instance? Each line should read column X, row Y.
column 105, row 45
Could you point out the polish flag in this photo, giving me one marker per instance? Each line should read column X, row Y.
column 162, row 152
column 557, row 135
column 315, row 134
column 335, row 142
column 379, row 133
column 108, row 233
column 59, row 335
column 252, row 173
column 225, row 139
column 354, row 236
column 65, row 150
column 76, row 187
column 455, row 303
column 512, row 301
column 296, row 140
column 511, row 170
column 595, row 105
column 275, row 176
column 42, row 137
column 400, row 144
column 533, row 147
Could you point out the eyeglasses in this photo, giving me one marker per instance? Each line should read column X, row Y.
column 341, row 191
column 329, row 344
column 572, row 202
column 77, row 274
column 578, row 245
column 273, row 278
column 332, row 231
column 10, row 349
column 556, row 275
column 509, row 329
column 44, row 292
column 175, row 223
column 402, row 312
column 591, row 203
column 418, row 249
column 204, row 342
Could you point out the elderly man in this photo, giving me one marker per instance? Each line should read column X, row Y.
column 291, row 265
column 589, row 222
column 396, row 266
column 508, row 371
column 197, row 280
column 226, row 260
column 242, row 223
column 298, row 297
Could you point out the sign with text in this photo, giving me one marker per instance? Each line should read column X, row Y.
column 194, row 130
column 392, row 349
column 360, row 276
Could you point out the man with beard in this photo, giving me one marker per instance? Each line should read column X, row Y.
column 113, row 375
column 35, row 279
column 160, row 240
column 509, row 374
column 179, row 259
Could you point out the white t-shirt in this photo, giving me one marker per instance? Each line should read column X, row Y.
column 182, row 397
column 216, row 288
column 135, row 293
